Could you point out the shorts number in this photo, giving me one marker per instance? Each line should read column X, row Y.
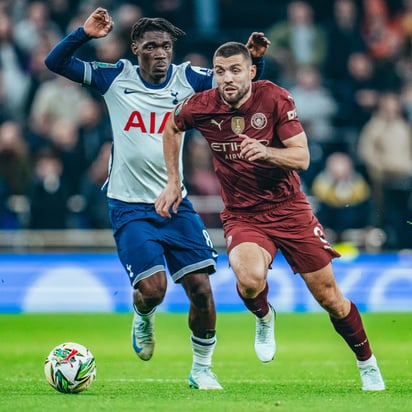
column 319, row 233
column 207, row 238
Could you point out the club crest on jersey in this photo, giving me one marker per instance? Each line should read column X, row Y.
column 259, row 121
column 174, row 94
column 237, row 124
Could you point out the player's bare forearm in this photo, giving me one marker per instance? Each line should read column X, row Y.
column 295, row 154
column 172, row 194
column 257, row 44
column 98, row 24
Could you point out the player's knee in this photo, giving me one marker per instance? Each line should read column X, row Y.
column 152, row 296
column 200, row 296
column 154, row 300
column 250, row 287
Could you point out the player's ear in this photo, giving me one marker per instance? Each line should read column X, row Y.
column 134, row 48
column 252, row 72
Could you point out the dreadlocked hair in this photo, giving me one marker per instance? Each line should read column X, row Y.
column 146, row 24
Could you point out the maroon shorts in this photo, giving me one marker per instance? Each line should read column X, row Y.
column 290, row 227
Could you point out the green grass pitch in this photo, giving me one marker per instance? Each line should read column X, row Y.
column 313, row 370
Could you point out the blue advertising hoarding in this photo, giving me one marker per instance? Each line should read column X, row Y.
column 97, row 283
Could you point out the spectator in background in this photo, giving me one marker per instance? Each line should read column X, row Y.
column 316, row 109
column 385, row 145
column 94, row 129
column 235, row 15
column 404, row 19
column 357, row 96
column 95, row 214
column 177, row 11
column 61, row 12
column 383, row 35
column 384, row 39
column 343, row 196
column 64, row 139
column 15, row 159
column 315, row 105
column 56, row 99
column 298, row 40
column 111, row 49
column 7, row 218
column 13, row 64
column 199, row 176
column 344, row 37
column 406, row 101
column 125, row 16
column 48, row 194
column 34, row 25
column 15, row 170
column 37, row 72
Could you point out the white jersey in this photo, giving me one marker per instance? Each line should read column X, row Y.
column 138, row 115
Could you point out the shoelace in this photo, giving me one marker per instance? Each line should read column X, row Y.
column 144, row 330
column 263, row 332
column 206, row 372
column 371, row 373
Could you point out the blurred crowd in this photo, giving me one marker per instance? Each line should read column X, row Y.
column 348, row 64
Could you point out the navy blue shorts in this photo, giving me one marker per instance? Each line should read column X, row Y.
column 148, row 243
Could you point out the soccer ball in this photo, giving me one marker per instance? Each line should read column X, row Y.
column 70, row 368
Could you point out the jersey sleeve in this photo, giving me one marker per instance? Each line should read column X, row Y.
column 61, row 60
column 259, row 62
column 288, row 122
column 183, row 115
column 199, row 78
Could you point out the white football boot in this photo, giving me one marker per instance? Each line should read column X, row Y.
column 202, row 377
column 265, row 343
column 143, row 334
column 370, row 375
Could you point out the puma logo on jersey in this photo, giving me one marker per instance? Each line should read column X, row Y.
column 218, row 124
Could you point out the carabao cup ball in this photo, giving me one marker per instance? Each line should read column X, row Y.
column 70, row 368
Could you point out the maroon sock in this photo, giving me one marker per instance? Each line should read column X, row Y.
column 352, row 330
column 259, row 305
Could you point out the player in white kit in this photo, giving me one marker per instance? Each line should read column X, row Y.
column 139, row 99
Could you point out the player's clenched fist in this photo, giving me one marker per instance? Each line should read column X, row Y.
column 99, row 23
column 252, row 150
column 257, row 44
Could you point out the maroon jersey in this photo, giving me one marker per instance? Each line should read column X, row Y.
column 269, row 115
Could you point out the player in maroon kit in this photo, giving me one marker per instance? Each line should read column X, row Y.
column 258, row 147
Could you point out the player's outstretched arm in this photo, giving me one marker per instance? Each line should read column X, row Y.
column 98, row 24
column 257, row 44
column 171, row 196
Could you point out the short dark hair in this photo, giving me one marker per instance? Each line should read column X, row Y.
column 231, row 49
column 146, row 24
